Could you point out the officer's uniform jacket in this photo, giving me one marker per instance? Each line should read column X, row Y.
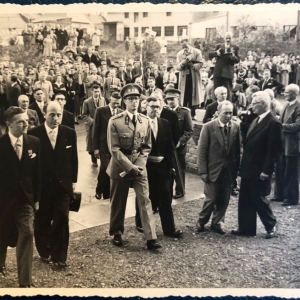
column 127, row 144
column 186, row 127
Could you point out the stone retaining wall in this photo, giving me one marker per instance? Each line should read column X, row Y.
column 191, row 155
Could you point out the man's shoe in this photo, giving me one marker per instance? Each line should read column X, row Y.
column 276, row 199
column 139, row 229
column 117, row 240
column 241, row 233
column 271, row 233
column 61, row 265
column 217, row 228
column 175, row 234
column 97, row 196
column 178, row 195
column 234, row 192
column 200, row 227
column 45, row 260
column 3, row 271
column 153, row 245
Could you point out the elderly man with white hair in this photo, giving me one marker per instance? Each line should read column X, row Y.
column 211, row 109
column 226, row 55
column 287, row 168
column 218, row 162
column 262, row 148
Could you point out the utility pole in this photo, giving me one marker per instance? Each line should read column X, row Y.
column 298, row 27
column 227, row 21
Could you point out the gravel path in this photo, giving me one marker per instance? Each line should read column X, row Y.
column 205, row 260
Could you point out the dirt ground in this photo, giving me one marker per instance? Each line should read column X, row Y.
column 198, row 260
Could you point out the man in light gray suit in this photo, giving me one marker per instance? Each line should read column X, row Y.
column 287, row 167
column 218, row 161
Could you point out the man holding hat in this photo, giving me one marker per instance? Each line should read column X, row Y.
column 129, row 143
column 99, row 142
column 186, row 129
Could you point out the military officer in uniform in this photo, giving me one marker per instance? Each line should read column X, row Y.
column 129, row 142
column 186, row 129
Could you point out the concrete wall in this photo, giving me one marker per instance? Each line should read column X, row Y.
column 191, row 156
column 274, row 18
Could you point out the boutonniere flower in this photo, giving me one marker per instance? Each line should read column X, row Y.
column 31, row 154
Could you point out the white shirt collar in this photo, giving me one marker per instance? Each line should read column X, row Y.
column 175, row 107
column 48, row 129
column 263, row 115
column 292, row 102
column 131, row 115
column 221, row 124
column 153, row 120
column 13, row 139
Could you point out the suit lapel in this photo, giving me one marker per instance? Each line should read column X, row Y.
column 258, row 127
column 107, row 112
column 218, row 133
column 25, row 153
column 11, row 155
column 130, row 124
column 283, row 112
column 232, row 132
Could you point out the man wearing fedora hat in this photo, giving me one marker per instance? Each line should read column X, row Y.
column 129, row 143
column 186, row 129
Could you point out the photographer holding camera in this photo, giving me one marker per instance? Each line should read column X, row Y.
column 226, row 55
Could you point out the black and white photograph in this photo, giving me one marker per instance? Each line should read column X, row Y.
column 150, row 147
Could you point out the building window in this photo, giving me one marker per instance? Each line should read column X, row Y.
column 144, row 29
column 136, row 17
column 169, row 30
column 210, row 33
column 126, row 31
column 136, row 31
column 126, row 15
column 169, row 14
column 145, row 14
column 157, row 30
column 180, row 30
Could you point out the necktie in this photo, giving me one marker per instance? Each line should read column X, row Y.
column 153, row 127
column 52, row 137
column 225, row 130
column 18, row 148
column 169, row 76
column 134, row 120
column 257, row 121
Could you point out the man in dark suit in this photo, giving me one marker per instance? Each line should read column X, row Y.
column 38, row 104
column 136, row 71
column 104, row 58
column 14, row 91
column 160, row 169
column 33, row 119
column 262, row 148
column 67, row 117
column 128, row 74
column 226, row 55
column 19, row 191
column 129, row 143
column 89, row 57
column 99, row 142
column 59, row 165
column 152, row 87
column 121, row 75
column 218, row 162
column 269, row 83
column 186, row 130
column 72, row 91
column 212, row 109
column 287, row 168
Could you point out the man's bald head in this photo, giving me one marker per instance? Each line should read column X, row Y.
column 53, row 114
column 23, row 102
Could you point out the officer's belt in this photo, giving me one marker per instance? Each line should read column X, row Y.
column 130, row 152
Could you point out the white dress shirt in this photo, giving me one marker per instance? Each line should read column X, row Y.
column 154, row 127
column 262, row 116
column 52, row 134
column 13, row 141
column 131, row 115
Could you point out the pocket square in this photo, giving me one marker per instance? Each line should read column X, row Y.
column 68, row 147
column 33, row 155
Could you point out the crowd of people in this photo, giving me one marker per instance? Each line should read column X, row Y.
column 138, row 123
